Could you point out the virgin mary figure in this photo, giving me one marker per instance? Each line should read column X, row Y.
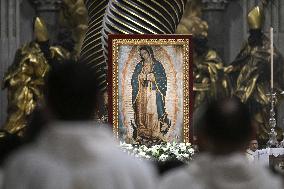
column 149, row 87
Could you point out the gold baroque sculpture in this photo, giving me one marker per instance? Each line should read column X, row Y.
column 251, row 72
column 210, row 80
column 73, row 15
column 24, row 79
column 255, row 18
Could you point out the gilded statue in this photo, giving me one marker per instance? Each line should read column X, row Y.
column 250, row 72
column 25, row 77
column 74, row 16
column 210, row 80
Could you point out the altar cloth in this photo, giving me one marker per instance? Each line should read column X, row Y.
column 262, row 156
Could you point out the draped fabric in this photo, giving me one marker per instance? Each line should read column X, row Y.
column 148, row 97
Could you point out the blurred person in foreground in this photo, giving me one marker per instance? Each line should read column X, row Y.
column 169, row 165
column 8, row 144
column 11, row 142
column 73, row 151
column 224, row 132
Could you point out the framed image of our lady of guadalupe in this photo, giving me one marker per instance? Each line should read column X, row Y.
column 150, row 88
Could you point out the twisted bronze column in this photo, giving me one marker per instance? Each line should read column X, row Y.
column 125, row 17
column 92, row 51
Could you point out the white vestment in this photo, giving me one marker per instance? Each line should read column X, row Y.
column 250, row 155
column 76, row 156
column 221, row 172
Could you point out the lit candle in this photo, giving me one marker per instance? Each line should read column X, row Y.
column 271, row 56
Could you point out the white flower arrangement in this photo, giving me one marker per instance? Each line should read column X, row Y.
column 161, row 152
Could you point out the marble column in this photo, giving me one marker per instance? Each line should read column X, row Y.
column 49, row 11
column 9, row 42
column 213, row 13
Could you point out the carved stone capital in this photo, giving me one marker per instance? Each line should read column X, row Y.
column 215, row 4
column 46, row 5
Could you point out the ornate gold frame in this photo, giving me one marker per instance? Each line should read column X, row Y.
column 117, row 40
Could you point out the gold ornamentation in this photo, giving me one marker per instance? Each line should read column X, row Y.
column 40, row 30
column 191, row 22
column 250, row 72
column 193, row 25
column 210, row 79
column 255, row 18
column 25, row 78
column 73, row 15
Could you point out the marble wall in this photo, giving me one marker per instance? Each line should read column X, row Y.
column 9, row 42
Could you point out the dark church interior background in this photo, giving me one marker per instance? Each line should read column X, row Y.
column 227, row 29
